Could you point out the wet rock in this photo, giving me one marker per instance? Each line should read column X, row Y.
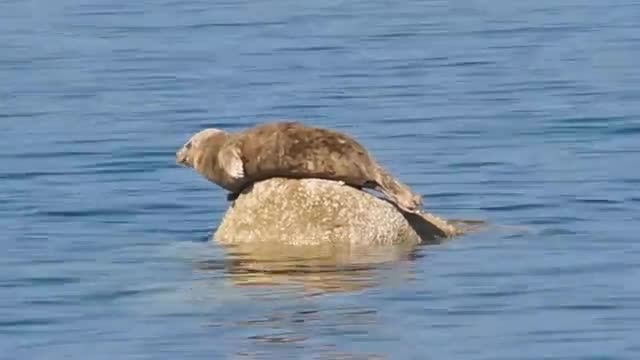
column 320, row 212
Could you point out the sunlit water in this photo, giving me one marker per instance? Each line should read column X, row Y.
column 524, row 114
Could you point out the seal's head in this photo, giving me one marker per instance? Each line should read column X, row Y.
column 203, row 142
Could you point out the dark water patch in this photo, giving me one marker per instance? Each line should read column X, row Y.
column 475, row 164
column 83, row 94
column 94, row 141
column 122, row 171
column 156, row 86
column 501, row 293
column 37, row 281
column 411, row 66
column 13, row 324
column 57, row 154
column 479, row 274
column 132, row 156
column 132, row 163
column 279, row 338
column 240, row 24
column 626, row 130
column 557, row 232
column 346, row 75
column 105, row 12
column 601, row 153
column 583, row 307
column 404, row 121
column 258, row 83
column 610, row 126
column 20, row 115
column 299, row 107
column 392, row 35
column 30, row 175
column 529, row 30
column 109, row 296
column 311, row 49
column 516, row 207
column 157, row 78
column 596, row 201
column 456, row 64
column 540, row 86
column 595, row 120
column 90, row 171
column 475, row 311
column 445, row 195
column 595, row 268
column 409, row 297
column 189, row 111
column 163, row 207
column 523, row 183
column 87, row 213
column 400, row 136
column 115, row 29
column 402, row 95
column 557, row 332
column 341, row 97
column 53, row 302
column 136, row 62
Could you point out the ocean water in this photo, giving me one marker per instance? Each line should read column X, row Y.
column 523, row 114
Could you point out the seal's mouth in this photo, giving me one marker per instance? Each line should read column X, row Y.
column 182, row 158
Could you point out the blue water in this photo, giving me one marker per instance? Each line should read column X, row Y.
column 524, row 114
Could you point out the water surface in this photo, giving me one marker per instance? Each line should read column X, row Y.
column 525, row 114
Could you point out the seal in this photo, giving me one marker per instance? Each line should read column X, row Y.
column 289, row 149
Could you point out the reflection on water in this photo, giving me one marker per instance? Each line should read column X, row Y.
column 289, row 332
column 283, row 296
column 287, row 285
column 327, row 268
column 316, row 268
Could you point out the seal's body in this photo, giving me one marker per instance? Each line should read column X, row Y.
column 290, row 150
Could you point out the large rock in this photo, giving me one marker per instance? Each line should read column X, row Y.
column 320, row 212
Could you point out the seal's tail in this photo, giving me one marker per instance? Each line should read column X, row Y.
column 397, row 192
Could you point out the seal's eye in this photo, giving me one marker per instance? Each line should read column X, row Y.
column 188, row 145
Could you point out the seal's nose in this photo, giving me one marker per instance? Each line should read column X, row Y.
column 181, row 156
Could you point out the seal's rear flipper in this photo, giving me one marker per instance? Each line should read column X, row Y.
column 397, row 192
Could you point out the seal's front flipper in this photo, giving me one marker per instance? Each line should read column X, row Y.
column 232, row 196
column 231, row 161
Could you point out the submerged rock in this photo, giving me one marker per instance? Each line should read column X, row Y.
column 319, row 212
